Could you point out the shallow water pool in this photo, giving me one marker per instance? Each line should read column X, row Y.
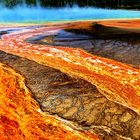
column 38, row 14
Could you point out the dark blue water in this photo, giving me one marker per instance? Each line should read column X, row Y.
column 38, row 14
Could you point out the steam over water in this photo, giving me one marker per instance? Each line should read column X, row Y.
column 38, row 14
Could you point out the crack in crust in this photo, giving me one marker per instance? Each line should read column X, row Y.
column 76, row 100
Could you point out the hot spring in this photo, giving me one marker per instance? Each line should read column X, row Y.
column 38, row 14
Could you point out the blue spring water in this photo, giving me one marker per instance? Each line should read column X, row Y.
column 38, row 14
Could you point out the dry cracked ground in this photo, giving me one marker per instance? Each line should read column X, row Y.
column 75, row 99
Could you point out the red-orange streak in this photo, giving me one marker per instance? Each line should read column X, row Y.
column 20, row 118
column 111, row 77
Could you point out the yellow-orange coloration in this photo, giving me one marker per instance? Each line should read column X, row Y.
column 20, row 118
column 118, row 82
column 133, row 24
column 126, row 24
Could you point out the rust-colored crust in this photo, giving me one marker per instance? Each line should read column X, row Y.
column 118, row 82
column 20, row 117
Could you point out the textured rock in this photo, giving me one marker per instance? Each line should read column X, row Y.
column 21, row 117
column 76, row 100
column 124, row 49
column 73, row 98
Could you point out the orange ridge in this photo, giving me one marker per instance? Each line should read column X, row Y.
column 118, row 82
column 21, row 118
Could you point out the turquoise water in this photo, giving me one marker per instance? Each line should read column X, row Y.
column 38, row 14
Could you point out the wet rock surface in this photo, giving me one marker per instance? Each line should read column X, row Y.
column 76, row 100
column 110, row 42
column 126, row 51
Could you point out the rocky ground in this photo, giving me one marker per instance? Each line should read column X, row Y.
column 77, row 100
column 111, row 42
